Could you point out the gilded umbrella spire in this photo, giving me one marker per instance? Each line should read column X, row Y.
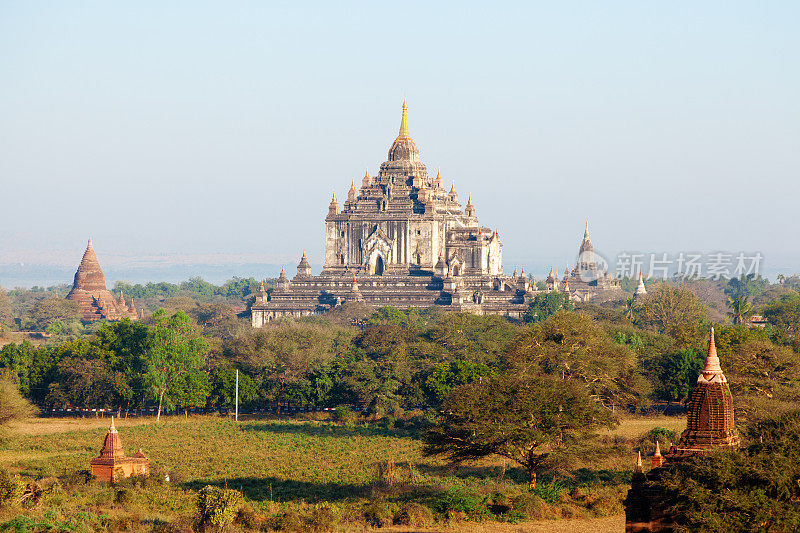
column 404, row 124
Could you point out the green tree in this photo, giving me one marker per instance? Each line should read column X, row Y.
column 50, row 310
column 12, row 405
column 175, row 356
column 675, row 373
column 223, row 386
column 525, row 420
column 671, row 310
column 571, row 346
column 6, row 310
column 545, row 305
column 444, row 377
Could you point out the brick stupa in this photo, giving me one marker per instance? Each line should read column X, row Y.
column 710, row 426
column 90, row 293
column 113, row 465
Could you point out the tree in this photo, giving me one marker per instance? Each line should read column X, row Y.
column 446, row 376
column 572, row 347
column 175, row 355
column 524, row 420
column 676, row 373
column 223, row 385
column 630, row 309
column 670, row 309
column 12, row 405
column 547, row 304
column 50, row 310
column 6, row 310
column 740, row 293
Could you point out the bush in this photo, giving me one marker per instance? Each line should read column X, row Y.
column 123, row 497
column 413, row 514
column 181, row 524
column 247, row 517
column 549, row 492
column 12, row 405
column 531, row 506
column 378, row 514
column 288, row 521
column 10, row 486
column 322, row 519
column 218, row 506
column 345, row 415
column 457, row 501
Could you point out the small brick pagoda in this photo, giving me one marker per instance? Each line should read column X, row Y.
column 113, row 465
column 89, row 291
column 710, row 426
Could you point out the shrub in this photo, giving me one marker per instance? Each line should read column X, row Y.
column 413, row 514
column 12, row 405
column 322, row 519
column 10, row 486
column 123, row 497
column 531, row 506
column 247, row 517
column 378, row 514
column 549, row 492
column 345, row 415
column 218, row 506
column 456, row 501
column 288, row 521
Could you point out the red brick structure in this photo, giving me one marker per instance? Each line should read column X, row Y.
column 113, row 465
column 90, row 293
column 710, row 425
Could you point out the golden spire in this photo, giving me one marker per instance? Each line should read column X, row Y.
column 453, row 188
column 352, row 185
column 404, row 124
column 333, row 200
column 366, row 174
column 469, row 200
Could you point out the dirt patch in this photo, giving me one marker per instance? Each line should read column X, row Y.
column 607, row 524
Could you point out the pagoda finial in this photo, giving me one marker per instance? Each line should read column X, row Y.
column 712, row 371
column 261, row 288
column 515, row 272
column 333, row 199
column 469, row 199
column 639, row 468
column 404, row 123
column 112, row 428
column 522, row 274
column 586, row 232
column 366, row 174
column 89, row 245
column 353, row 185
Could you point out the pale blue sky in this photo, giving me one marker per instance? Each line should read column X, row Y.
column 198, row 128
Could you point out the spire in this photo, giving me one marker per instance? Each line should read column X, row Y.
column 112, row 428
column 522, row 274
column 333, row 200
column 515, row 272
column 586, row 233
column 712, row 371
column 639, row 468
column 641, row 290
column 469, row 200
column 404, row 124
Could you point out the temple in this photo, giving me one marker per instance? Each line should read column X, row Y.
column 710, row 426
column 403, row 239
column 589, row 279
column 113, row 465
column 90, row 293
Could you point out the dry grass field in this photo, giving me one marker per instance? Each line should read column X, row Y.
column 291, row 467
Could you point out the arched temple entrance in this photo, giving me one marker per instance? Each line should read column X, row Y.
column 379, row 266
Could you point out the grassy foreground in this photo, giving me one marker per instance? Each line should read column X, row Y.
column 299, row 475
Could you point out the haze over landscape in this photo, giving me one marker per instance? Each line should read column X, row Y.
column 207, row 141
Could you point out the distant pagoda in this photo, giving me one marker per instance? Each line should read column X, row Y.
column 113, row 465
column 89, row 291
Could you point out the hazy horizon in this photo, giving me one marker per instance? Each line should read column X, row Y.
column 176, row 133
